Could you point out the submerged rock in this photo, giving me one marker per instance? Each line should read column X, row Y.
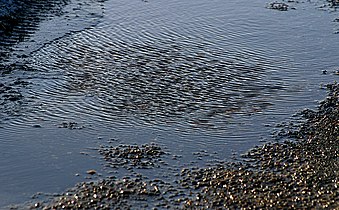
column 278, row 6
column 144, row 156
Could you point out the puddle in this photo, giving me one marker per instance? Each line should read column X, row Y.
column 196, row 78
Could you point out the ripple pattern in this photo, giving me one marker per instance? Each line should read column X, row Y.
column 151, row 69
column 25, row 26
column 197, row 77
column 19, row 19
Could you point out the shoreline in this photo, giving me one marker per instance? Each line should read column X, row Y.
column 298, row 173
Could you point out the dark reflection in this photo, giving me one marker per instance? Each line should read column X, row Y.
column 166, row 83
column 18, row 19
column 11, row 86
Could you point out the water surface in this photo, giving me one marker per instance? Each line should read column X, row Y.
column 212, row 76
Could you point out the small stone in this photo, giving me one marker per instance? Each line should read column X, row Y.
column 91, row 172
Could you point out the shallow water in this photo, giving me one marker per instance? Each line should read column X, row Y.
column 192, row 76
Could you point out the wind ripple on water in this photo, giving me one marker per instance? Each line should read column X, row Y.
column 157, row 72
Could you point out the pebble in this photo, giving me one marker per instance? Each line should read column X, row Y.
column 91, row 172
column 278, row 6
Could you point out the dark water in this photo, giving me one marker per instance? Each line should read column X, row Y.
column 209, row 76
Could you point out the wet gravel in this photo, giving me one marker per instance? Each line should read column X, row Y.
column 70, row 125
column 302, row 173
column 299, row 173
column 278, row 6
column 107, row 194
column 125, row 193
column 144, row 156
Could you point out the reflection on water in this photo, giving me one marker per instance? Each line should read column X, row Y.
column 19, row 19
column 189, row 75
column 161, row 68
column 170, row 82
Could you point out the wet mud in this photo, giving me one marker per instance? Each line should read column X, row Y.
column 299, row 173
